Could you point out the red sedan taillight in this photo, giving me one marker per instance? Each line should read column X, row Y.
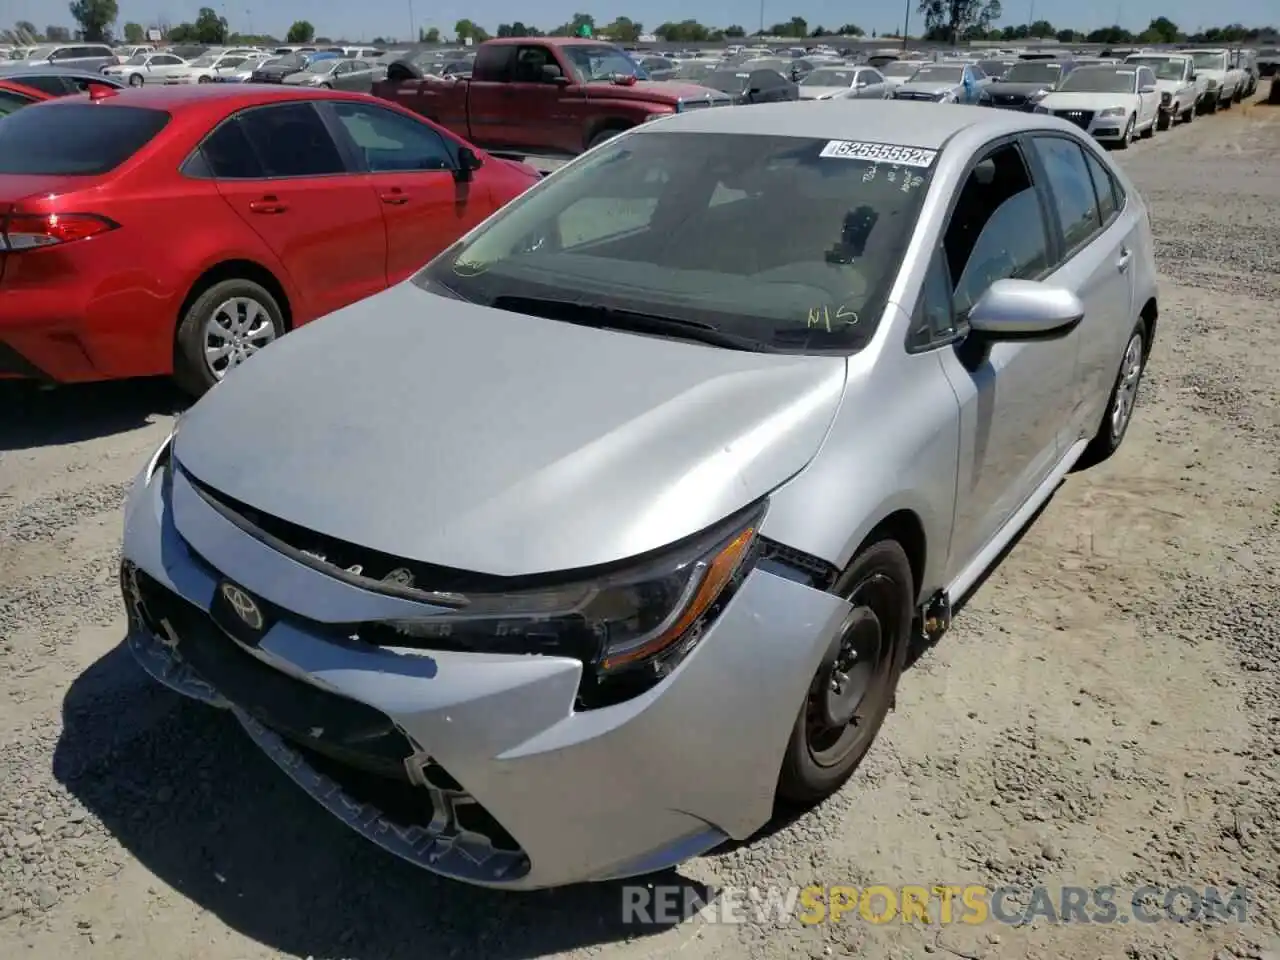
column 35, row 231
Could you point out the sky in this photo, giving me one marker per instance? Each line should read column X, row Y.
column 366, row 19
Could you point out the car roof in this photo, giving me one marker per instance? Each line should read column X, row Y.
column 217, row 98
column 12, row 73
column 924, row 125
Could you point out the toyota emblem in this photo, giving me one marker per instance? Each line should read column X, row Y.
column 244, row 606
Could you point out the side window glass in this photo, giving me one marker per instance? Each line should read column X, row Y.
column 229, row 155
column 10, row 102
column 1103, row 187
column 933, row 320
column 389, row 142
column 529, row 64
column 50, row 85
column 997, row 229
column 291, row 141
column 1071, row 187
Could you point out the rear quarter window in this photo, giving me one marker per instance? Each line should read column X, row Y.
column 80, row 139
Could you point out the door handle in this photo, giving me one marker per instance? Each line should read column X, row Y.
column 396, row 197
column 268, row 204
column 1122, row 264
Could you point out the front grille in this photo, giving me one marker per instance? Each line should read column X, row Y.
column 348, row 731
column 1010, row 100
column 1081, row 118
column 914, row 96
column 349, row 756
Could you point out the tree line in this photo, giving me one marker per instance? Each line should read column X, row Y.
column 940, row 20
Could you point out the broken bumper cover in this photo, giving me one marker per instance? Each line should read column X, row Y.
column 475, row 766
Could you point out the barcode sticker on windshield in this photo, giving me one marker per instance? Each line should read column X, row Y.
column 879, row 153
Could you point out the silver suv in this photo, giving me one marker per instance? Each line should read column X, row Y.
column 79, row 56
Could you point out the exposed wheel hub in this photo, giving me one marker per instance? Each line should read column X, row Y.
column 849, row 668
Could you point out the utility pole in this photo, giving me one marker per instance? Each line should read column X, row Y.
column 413, row 28
column 762, row 17
column 906, row 25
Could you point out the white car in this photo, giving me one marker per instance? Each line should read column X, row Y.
column 143, row 68
column 205, row 69
column 898, row 72
column 1224, row 84
column 1179, row 85
column 1114, row 104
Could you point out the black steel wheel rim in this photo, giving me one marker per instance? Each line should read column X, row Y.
column 852, row 685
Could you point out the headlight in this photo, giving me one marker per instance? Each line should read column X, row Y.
column 1212, row 84
column 1166, row 97
column 1039, row 109
column 945, row 96
column 630, row 628
column 1112, row 112
column 1039, row 95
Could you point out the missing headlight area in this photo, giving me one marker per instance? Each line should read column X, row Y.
column 791, row 564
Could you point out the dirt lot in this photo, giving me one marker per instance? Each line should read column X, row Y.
column 1106, row 710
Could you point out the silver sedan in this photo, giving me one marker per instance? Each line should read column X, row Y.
column 357, row 75
column 570, row 556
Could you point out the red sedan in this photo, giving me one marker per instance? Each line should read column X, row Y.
column 179, row 230
column 14, row 96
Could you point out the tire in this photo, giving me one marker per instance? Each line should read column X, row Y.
column 1164, row 121
column 1189, row 114
column 1128, row 133
column 602, row 135
column 1149, row 132
column 235, row 300
column 1112, row 430
column 1212, row 106
column 135, row 80
column 823, row 753
column 1226, row 104
column 326, row 86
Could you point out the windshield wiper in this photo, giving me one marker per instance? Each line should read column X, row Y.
column 587, row 314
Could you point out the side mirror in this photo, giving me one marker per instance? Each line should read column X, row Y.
column 1149, row 88
column 1025, row 310
column 551, row 73
column 1192, row 77
column 468, row 164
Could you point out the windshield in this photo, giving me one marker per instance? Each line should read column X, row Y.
column 727, row 81
column 1163, row 67
column 1030, row 71
column 599, row 63
column 1209, row 61
column 938, row 75
column 201, row 62
column 694, row 71
column 758, row 237
column 827, row 77
column 782, row 66
column 40, row 53
column 232, row 62
column 1099, row 80
column 295, row 60
column 137, row 60
column 321, row 66
column 899, row 68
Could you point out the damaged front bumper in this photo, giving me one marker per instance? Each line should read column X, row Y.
column 474, row 766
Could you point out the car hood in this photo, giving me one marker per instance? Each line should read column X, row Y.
column 482, row 440
column 1171, row 86
column 1019, row 89
column 934, row 87
column 660, row 91
column 1086, row 101
column 821, row 93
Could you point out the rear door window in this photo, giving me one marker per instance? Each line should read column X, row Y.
column 291, row 140
column 54, row 86
column 229, row 155
column 10, row 101
column 73, row 139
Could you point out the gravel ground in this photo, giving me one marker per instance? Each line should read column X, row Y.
column 1105, row 710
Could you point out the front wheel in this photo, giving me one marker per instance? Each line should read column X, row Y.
column 228, row 323
column 1164, row 120
column 851, row 693
column 135, row 80
column 1121, row 402
column 601, row 136
column 1212, row 105
column 1189, row 114
column 1149, row 131
column 205, row 79
column 1127, row 138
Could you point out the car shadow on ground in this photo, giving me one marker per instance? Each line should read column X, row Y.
column 187, row 794
column 40, row 417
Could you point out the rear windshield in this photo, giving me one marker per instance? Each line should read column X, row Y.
column 75, row 139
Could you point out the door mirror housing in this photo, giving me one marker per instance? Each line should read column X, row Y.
column 1149, row 88
column 1013, row 310
column 468, row 163
column 551, row 73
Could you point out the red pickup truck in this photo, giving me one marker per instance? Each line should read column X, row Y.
column 548, row 97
